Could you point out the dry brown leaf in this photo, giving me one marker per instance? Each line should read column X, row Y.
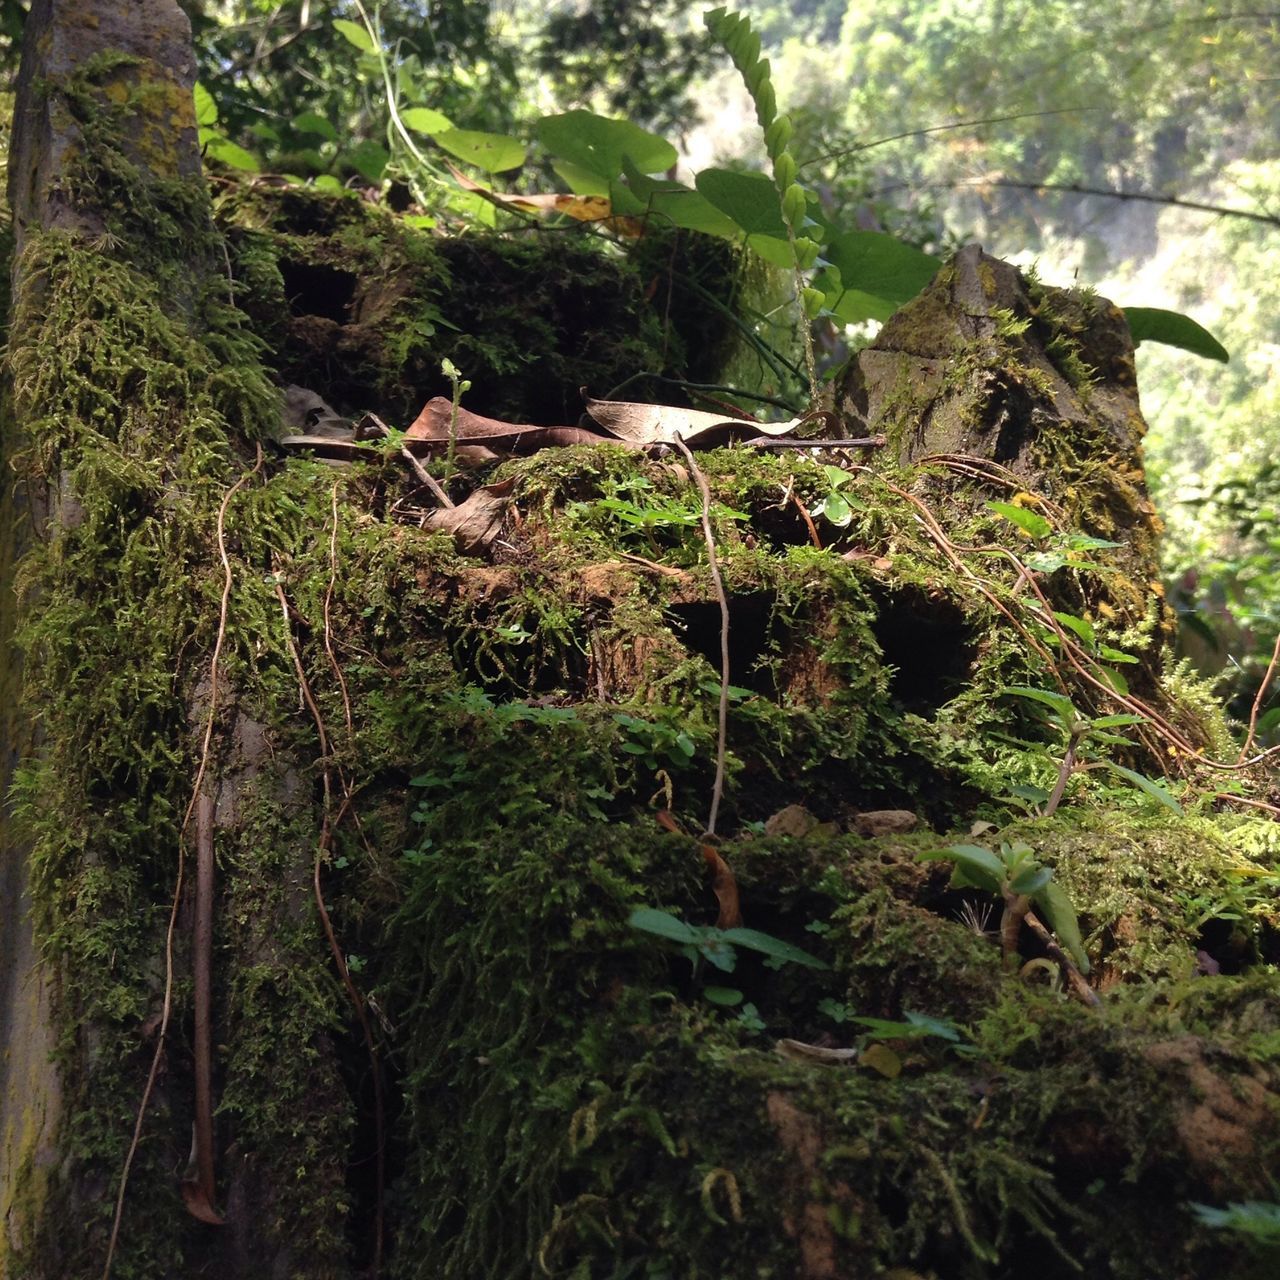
column 667, row 821
column 433, row 425
column 579, row 208
column 724, row 883
column 802, row 1052
column 725, row 886
column 475, row 522
column 645, row 424
column 198, row 1205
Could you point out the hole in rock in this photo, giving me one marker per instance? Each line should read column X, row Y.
column 316, row 290
column 928, row 643
column 698, row 626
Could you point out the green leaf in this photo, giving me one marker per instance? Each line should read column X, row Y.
column 835, row 509
column 206, row 108
column 1114, row 722
column 1083, row 629
column 1058, row 703
column 598, row 144
column 1148, row 785
column 768, row 945
column 368, row 159
column 1083, row 542
column 1051, row 562
column 492, row 152
column 935, row 1026
column 1153, row 324
column 313, row 122
column 717, row 951
column 750, row 199
column 682, row 206
column 355, row 33
column 425, row 120
column 982, row 866
column 1031, row 880
column 1115, row 655
column 1028, row 521
column 1112, row 677
column 884, row 1029
column 664, row 925
column 727, row 996
column 219, row 148
column 1060, row 913
column 878, row 273
column 775, row 251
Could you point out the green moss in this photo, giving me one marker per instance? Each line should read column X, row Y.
column 598, row 1115
column 497, row 734
column 357, row 303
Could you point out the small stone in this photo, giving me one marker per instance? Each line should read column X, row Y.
column 884, row 822
column 795, row 820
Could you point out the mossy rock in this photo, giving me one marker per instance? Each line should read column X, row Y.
column 454, row 760
column 362, row 306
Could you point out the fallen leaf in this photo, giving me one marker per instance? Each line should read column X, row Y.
column 475, row 522
column 723, row 882
column 667, row 821
column 645, row 424
column 802, row 1052
column 725, row 886
column 581, row 208
column 433, row 426
column 198, row 1205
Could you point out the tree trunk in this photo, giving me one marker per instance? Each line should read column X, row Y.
column 135, row 394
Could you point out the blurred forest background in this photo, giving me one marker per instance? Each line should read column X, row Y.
column 1127, row 148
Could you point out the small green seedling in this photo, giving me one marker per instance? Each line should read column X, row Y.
column 837, row 506
column 1015, row 875
column 1081, row 732
column 718, row 947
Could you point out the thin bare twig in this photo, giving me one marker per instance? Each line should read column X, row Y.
column 419, row 470
column 722, row 722
column 202, row 999
column 329, row 824
column 1067, row 768
column 808, row 520
column 1258, row 699
column 1075, row 979
column 167, row 1004
column 1254, row 804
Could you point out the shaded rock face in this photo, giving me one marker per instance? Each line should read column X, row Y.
column 989, row 365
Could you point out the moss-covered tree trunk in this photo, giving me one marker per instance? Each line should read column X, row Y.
column 135, row 394
column 469, row 1014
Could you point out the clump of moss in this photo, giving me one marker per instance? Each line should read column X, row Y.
column 355, row 302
